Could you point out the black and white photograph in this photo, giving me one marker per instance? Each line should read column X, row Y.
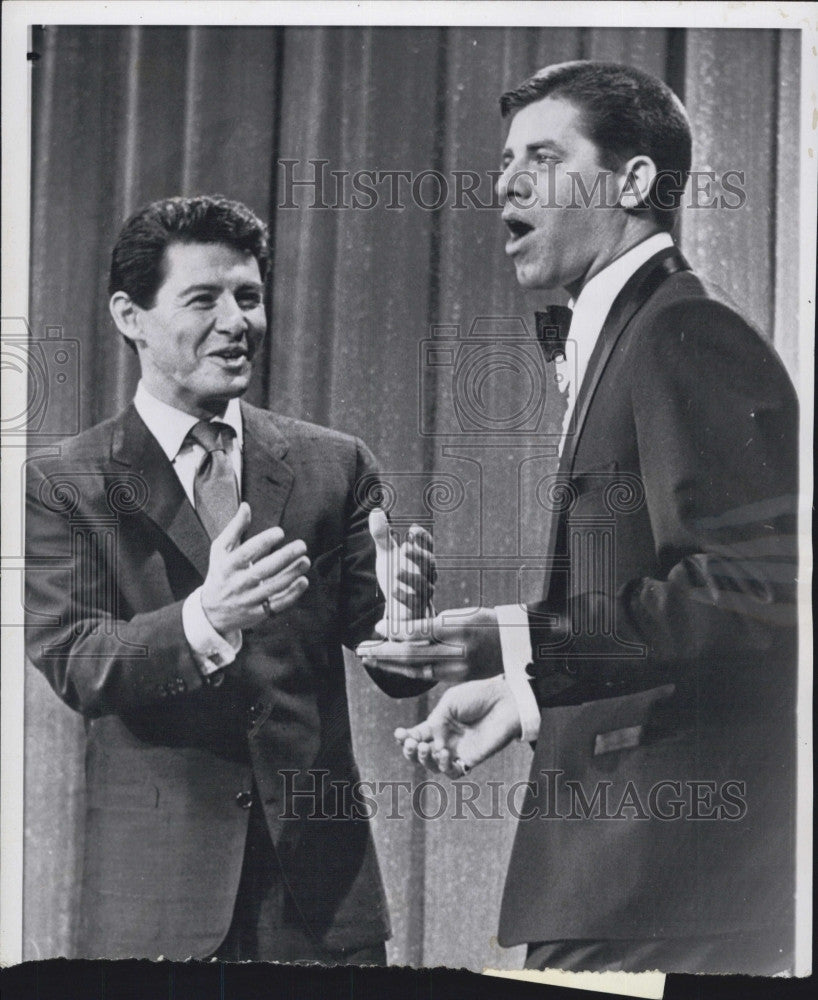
column 407, row 486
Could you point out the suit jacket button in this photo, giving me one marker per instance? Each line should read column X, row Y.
column 256, row 712
column 244, row 800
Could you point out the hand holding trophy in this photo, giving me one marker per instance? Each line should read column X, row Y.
column 406, row 575
column 414, row 642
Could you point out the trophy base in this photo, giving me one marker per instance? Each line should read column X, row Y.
column 407, row 651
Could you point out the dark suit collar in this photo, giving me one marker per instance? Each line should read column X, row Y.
column 635, row 293
column 266, row 479
column 132, row 443
column 167, row 505
column 262, row 426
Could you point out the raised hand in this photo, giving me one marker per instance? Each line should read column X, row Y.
column 248, row 581
column 406, row 575
column 471, row 722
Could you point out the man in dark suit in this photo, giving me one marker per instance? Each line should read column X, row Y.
column 195, row 564
column 661, row 662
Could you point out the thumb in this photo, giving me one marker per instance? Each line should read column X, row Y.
column 379, row 529
column 439, row 728
column 230, row 538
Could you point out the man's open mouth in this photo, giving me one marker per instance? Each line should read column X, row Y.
column 517, row 228
column 231, row 353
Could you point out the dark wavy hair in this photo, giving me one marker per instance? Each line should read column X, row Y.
column 624, row 112
column 138, row 260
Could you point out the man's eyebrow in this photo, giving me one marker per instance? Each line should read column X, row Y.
column 214, row 286
column 540, row 144
column 547, row 143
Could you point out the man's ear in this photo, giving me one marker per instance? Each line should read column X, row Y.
column 126, row 315
column 638, row 175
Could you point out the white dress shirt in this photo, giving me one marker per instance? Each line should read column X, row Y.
column 589, row 314
column 170, row 427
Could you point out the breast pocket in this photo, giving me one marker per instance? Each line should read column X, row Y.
column 607, row 492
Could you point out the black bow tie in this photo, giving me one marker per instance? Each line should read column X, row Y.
column 553, row 325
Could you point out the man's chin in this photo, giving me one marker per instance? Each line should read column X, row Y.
column 235, row 383
column 531, row 276
column 216, row 400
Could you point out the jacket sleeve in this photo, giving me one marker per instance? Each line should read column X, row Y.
column 361, row 599
column 715, row 418
column 98, row 657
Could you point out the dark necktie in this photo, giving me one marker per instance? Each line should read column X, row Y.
column 553, row 325
column 215, row 490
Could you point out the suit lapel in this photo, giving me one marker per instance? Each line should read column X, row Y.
column 636, row 292
column 167, row 505
column 633, row 296
column 267, row 480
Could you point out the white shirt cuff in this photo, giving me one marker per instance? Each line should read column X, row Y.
column 210, row 649
column 515, row 644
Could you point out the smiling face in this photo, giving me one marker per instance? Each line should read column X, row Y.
column 557, row 237
column 197, row 341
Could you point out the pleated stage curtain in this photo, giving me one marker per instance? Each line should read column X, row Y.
column 123, row 115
